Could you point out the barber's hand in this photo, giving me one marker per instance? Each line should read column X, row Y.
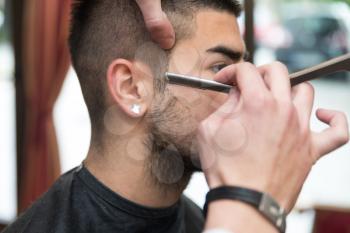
column 157, row 23
column 261, row 139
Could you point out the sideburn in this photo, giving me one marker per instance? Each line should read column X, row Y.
column 170, row 162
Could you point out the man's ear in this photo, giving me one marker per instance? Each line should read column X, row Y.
column 127, row 88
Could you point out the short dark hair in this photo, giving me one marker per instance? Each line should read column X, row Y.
column 104, row 30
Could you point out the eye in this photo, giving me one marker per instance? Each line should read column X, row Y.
column 218, row 67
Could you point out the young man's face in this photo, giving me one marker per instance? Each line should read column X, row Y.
column 216, row 44
column 176, row 114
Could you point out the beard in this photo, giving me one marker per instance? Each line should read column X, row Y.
column 171, row 142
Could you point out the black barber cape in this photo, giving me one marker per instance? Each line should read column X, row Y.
column 79, row 203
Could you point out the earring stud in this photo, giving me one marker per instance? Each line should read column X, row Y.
column 135, row 108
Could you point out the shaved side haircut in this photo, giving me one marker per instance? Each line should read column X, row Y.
column 104, row 30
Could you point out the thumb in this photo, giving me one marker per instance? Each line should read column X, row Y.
column 333, row 137
column 157, row 23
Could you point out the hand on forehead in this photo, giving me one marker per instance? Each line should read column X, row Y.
column 157, row 23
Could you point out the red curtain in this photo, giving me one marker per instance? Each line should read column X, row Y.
column 44, row 59
column 331, row 220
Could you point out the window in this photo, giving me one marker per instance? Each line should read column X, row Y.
column 72, row 124
column 7, row 125
column 302, row 34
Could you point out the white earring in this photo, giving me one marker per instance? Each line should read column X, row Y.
column 135, row 108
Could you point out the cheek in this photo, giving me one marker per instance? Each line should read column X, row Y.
column 201, row 104
column 208, row 104
column 187, row 96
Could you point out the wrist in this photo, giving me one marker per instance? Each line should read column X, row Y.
column 222, row 179
column 236, row 216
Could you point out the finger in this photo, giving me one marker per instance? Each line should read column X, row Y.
column 303, row 98
column 227, row 75
column 157, row 23
column 333, row 137
column 247, row 78
column 276, row 77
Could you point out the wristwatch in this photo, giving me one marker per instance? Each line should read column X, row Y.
column 262, row 202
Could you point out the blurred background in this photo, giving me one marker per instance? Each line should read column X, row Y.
column 298, row 33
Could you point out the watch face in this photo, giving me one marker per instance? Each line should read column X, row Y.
column 272, row 211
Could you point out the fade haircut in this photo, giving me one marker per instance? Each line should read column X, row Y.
column 104, row 30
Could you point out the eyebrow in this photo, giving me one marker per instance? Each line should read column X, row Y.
column 230, row 53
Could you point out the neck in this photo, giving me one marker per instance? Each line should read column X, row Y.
column 132, row 170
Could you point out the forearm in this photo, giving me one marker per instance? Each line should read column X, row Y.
column 237, row 217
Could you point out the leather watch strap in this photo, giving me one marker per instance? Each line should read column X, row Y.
column 263, row 203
